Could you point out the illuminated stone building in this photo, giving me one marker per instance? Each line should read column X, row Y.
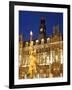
column 41, row 58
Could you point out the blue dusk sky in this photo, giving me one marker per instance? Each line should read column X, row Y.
column 30, row 21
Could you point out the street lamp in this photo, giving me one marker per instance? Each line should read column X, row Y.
column 31, row 33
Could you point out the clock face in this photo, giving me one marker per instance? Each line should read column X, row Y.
column 41, row 29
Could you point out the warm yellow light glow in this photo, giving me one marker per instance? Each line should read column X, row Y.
column 26, row 43
column 31, row 43
column 31, row 33
column 41, row 29
column 56, row 57
column 37, row 41
column 48, row 61
column 48, row 39
column 42, row 40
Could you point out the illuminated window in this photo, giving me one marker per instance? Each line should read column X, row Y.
column 48, row 61
column 52, row 56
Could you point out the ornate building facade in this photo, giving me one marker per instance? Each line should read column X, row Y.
column 41, row 58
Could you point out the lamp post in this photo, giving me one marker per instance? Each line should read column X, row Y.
column 31, row 33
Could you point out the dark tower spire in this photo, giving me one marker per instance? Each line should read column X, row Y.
column 42, row 29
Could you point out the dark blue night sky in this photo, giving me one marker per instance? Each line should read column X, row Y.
column 30, row 21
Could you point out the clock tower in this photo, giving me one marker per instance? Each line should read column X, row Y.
column 42, row 29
